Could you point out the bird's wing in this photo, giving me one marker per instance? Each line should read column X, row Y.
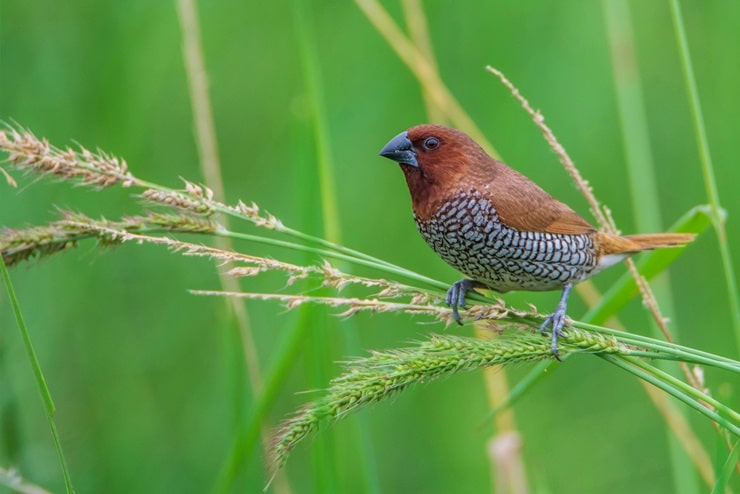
column 523, row 205
column 532, row 216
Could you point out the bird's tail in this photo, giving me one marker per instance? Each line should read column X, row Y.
column 608, row 243
column 648, row 241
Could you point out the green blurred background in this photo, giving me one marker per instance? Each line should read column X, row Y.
column 142, row 372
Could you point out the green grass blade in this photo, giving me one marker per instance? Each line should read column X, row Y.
column 246, row 439
column 725, row 473
column 643, row 185
column 410, row 275
column 332, row 232
column 635, row 134
column 668, row 350
column 38, row 374
column 532, row 378
column 707, row 167
column 667, row 383
column 697, row 395
column 318, row 350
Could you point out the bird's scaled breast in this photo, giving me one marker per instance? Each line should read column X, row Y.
column 467, row 232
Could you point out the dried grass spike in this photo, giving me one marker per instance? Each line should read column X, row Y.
column 28, row 153
column 178, row 200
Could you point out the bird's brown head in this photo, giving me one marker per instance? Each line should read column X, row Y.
column 438, row 161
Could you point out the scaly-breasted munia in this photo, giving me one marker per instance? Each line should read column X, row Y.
column 498, row 227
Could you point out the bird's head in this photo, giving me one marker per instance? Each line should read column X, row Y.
column 437, row 161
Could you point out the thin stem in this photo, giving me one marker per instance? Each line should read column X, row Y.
column 565, row 159
column 718, row 218
column 727, row 469
column 388, row 268
column 689, row 390
column 679, row 351
column 38, row 374
column 423, row 70
column 205, row 133
column 631, row 367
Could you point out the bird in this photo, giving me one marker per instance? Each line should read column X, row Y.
column 498, row 227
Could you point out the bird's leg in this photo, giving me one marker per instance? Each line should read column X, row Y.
column 456, row 295
column 557, row 319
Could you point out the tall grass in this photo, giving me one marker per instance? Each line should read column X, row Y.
column 370, row 380
column 317, row 268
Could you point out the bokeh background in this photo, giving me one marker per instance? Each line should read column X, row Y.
column 142, row 373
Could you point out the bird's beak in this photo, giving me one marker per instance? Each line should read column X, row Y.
column 401, row 150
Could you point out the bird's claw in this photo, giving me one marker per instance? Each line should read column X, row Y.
column 557, row 319
column 456, row 296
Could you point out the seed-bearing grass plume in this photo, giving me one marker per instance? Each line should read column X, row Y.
column 19, row 245
column 498, row 227
column 384, row 374
column 27, row 152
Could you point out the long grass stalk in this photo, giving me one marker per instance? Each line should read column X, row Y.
column 649, row 265
column 728, row 468
column 679, row 352
column 698, row 396
column 38, row 374
column 13, row 481
column 643, row 187
column 418, row 27
column 247, row 437
column 707, row 168
column 679, row 390
column 523, row 386
column 325, row 473
column 424, row 70
column 210, row 164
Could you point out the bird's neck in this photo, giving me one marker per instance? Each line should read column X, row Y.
column 426, row 193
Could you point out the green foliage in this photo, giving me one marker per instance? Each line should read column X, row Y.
column 145, row 375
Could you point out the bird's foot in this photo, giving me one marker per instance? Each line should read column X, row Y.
column 557, row 320
column 456, row 296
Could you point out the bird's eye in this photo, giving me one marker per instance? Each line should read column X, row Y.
column 431, row 143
